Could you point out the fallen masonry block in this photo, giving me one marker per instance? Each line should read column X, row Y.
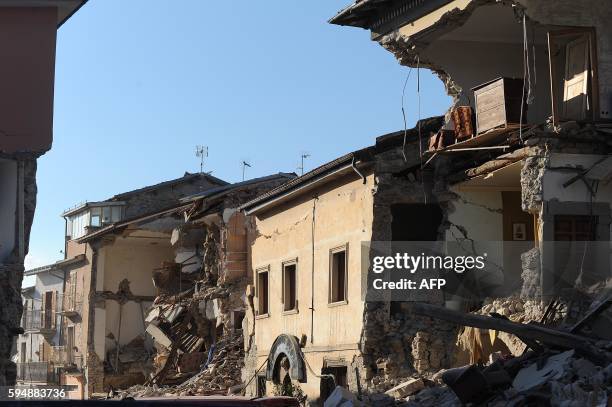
column 341, row 397
column 190, row 362
column 159, row 335
column 407, row 388
column 533, row 376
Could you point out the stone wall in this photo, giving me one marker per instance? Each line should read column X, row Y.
column 11, row 275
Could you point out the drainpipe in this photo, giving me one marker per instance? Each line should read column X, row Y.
column 312, row 274
column 357, row 171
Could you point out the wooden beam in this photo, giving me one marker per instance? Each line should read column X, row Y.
column 534, row 332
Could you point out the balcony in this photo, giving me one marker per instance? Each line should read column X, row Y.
column 71, row 305
column 37, row 372
column 39, row 321
column 67, row 360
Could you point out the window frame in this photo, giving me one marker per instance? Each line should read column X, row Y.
column 295, row 309
column 553, row 38
column 258, row 271
column 338, row 249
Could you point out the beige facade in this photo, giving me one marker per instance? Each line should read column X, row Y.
column 338, row 216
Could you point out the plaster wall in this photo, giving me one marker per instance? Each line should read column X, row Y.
column 554, row 178
column 343, row 215
column 135, row 260
column 27, row 40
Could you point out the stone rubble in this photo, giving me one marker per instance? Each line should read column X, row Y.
column 221, row 376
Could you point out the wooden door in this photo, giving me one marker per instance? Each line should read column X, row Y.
column 575, row 87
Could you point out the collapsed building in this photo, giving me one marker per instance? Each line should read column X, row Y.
column 522, row 158
column 108, row 286
column 187, row 336
column 28, row 31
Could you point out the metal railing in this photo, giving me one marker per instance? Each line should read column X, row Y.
column 37, row 372
column 70, row 303
column 63, row 357
column 38, row 319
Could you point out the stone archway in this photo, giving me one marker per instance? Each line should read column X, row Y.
column 285, row 354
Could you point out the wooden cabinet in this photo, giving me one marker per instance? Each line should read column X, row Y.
column 498, row 104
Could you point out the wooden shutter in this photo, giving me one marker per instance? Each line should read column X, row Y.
column 54, row 309
column 572, row 58
column 575, row 85
column 43, row 308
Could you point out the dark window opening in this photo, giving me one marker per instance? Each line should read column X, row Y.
column 261, row 386
column 262, row 293
column 332, row 377
column 289, row 287
column 238, row 318
column 338, row 277
column 415, row 222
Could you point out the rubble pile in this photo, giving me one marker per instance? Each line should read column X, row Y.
column 219, row 375
column 563, row 378
column 562, row 361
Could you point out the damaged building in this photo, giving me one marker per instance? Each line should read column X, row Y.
column 522, row 158
column 107, row 292
column 167, row 289
column 28, row 32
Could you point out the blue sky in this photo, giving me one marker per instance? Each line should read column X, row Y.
column 140, row 83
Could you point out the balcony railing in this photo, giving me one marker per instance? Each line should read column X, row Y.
column 38, row 320
column 37, row 372
column 62, row 357
column 71, row 304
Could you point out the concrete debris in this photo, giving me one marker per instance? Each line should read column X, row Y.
column 533, row 375
column 341, row 397
column 407, row 388
column 544, row 371
column 221, row 375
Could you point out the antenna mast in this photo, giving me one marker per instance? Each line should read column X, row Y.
column 301, row 167
column 202, row 153
column 244, row 165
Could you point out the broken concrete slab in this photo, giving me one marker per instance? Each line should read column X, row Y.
column 159, row 336
column 341, row 397
column 532, row 377
column 406, row 388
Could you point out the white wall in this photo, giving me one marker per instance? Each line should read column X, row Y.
column 480, row 213
column 553, row 180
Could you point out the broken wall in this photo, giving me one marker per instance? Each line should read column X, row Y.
column 585, row 13
column 132, row 259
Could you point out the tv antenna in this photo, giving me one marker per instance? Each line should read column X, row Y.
column 244, row 165
column 301, row 167
column 202, row 153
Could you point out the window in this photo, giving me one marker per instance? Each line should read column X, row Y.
column 575, row 228
column 290, row 286
column 96, row 217
column 573, row 68
column 337, row 277
column 262, row 291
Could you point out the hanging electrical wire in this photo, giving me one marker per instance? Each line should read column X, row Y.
column 404, row 115
column 528, row 98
